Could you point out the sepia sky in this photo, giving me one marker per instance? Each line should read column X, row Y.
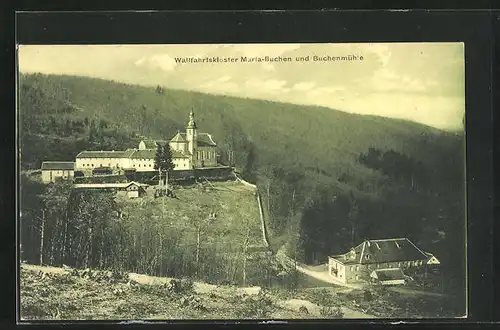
column 422, row 82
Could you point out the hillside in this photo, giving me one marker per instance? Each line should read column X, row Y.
column 156, row 236
column 328, row 179
column 311, row 137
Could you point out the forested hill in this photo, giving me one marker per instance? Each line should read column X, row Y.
column 67, row 107
column 333, row 178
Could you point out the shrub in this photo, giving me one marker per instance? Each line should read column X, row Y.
column 182, row 286
column 259, row 307
column 331, row 312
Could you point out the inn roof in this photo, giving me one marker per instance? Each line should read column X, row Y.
column 382, row 251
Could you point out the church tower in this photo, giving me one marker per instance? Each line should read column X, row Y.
column 191, row 137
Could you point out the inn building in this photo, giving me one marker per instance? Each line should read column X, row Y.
column 383, row 260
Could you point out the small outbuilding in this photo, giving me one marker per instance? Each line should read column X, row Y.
column 389, row 276
column 53, row 170
column 135, row 190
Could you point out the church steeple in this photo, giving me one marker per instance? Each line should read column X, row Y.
column 191, row 123
column 192, row 137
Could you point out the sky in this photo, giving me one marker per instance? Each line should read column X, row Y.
column 421, row 82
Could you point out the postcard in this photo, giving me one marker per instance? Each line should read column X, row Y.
column 242, row 181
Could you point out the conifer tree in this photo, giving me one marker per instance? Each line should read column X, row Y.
column 163, row 161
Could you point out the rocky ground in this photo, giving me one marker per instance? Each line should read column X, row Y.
column 69, row 294
column 50, row 293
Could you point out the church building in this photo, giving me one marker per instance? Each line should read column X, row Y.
column 191, row 149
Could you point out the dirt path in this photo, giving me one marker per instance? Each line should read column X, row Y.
column 319, row 275
column 323, row 276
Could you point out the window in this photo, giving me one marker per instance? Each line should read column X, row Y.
column 357, row 268
column 352, row 268
column 357, row 277
column 399, row 264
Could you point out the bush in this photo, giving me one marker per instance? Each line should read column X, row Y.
column 331, row 312
column 182, row 286
column 258, row 307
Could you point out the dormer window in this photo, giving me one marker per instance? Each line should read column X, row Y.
column 399, row 247
column 367, row 257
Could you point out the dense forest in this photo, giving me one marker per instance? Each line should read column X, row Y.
column 328, row 179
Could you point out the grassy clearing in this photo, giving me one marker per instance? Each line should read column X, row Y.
column 235, row 206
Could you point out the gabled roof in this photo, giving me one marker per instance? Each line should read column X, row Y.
column 58, row 166
column 389, row 274
column 203, row 139
column 101, row 154
column 383, row 250
column 178, row 138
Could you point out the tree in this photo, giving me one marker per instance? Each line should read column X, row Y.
column 163, row 162
column 353, row 217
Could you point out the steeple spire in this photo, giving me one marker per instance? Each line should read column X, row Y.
column 191, row 123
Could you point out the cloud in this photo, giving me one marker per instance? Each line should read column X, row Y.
column 304, row 86
column 382, row 51
column 161, row 61
column 268, row 66
column 388, row 80
column 220, row 85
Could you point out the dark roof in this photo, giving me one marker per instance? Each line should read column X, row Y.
column 151, row 153
column 383, row 250
column 203, row 140
column 102, row 154
column 390, row 274
column 143, row 154
column 150, row 144
column 58, row 166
